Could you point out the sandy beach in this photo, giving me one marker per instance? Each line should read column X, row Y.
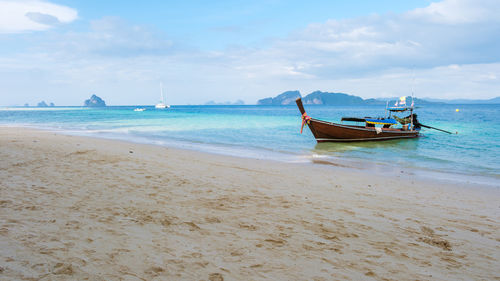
column 78, row 208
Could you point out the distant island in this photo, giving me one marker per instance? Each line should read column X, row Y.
column 285, row 98
column 43, row 104
column 94, row 101
column 466, row 101
column 238, row 102
column 318, row 97
column 327, row 98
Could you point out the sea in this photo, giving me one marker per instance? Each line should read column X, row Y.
column 471, row 154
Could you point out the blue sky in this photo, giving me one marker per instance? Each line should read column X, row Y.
column 218, row 24
column 64, row 51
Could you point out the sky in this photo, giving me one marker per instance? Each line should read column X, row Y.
column 63, row 51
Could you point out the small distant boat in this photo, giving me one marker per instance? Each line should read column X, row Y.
column 162, row 104
column 333, row 132
column 139, row 109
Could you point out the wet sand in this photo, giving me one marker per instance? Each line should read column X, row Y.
column 76, row 208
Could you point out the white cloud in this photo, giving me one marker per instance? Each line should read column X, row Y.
column 422, row 38
column 458, row 11
column 22, row 16
column 108, row 37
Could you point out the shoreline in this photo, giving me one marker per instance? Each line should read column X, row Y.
column 80, row 207
column 369, row 165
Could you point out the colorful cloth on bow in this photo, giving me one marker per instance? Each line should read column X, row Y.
column 305, row 120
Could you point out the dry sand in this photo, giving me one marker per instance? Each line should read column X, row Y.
column 76, row 208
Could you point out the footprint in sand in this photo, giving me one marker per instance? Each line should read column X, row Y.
column 63, row 268
column 434, row 240
column 212, row 220
column 192, row 225
column 154, row 270
column 215, row 277
column 276, row 242
column 247, row 226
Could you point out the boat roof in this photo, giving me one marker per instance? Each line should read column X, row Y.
column 382, row 121
column 371, row 120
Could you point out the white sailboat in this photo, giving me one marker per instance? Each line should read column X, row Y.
column 162, row 104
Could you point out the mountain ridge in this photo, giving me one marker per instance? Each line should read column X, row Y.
column 330, row 98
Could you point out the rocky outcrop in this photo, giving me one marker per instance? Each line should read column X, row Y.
column 285, row 98
column 326, row 98
column 42, row 104
column 94, row 101
column 317, row 97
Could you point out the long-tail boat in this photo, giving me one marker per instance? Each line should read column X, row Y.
column 325, row 131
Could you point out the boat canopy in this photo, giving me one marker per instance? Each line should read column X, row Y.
column 371, row 120
column 381, row 121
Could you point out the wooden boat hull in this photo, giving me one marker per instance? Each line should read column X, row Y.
column 332, row 132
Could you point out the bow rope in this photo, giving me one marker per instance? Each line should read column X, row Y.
column 305, row 120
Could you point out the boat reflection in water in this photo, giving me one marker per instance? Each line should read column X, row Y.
column 366, row 155
column 340, row 147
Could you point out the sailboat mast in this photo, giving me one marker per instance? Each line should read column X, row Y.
column 163, row 96
column 161, row 91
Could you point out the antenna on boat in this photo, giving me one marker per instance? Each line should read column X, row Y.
column 412, row 81
column 412, row 97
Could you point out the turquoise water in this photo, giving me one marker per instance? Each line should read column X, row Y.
column 272, row 132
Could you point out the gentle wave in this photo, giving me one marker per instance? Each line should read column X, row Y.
column 273, row 133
